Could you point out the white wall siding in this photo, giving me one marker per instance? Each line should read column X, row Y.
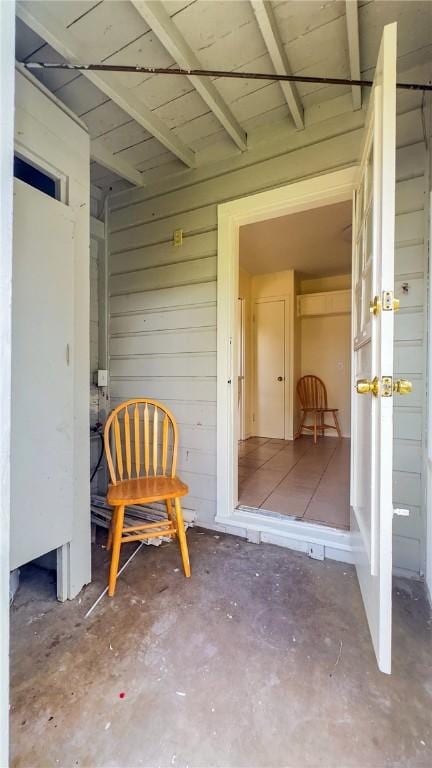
column 163, row 298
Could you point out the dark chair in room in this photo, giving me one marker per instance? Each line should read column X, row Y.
column 312, row 394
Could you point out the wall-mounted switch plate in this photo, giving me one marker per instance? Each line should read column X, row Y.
column 178, row 237
column 102, row 378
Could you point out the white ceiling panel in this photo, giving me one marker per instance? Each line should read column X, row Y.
column 104, row 118
column 262, row 100
column 297, row 18
column 105, row 28
column 136, row 154
column 181, row 110
column 68, row 12
column 197, row 133
column 164, row 160
column 27, row 41
column 274, row 115
column 80, row 95
column 124, row 136
column 414, row 29
column 156, row 91
column 223, row 34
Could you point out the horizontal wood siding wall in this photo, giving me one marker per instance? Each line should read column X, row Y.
column 163, row 298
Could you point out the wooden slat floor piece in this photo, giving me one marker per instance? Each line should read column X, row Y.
column 297, row 479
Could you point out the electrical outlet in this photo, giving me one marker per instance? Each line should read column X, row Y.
column 178, row 237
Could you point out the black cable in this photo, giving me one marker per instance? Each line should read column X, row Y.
column 93, row 474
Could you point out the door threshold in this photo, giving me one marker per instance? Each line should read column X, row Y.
column 317, row 541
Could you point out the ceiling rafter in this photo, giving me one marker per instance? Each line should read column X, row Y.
column 38, row 18
column 155, row 15
column 100, row 154
column 267, row 24
column 354, row 49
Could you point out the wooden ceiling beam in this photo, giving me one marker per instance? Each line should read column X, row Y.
column 351, row 7
column 39, row 19
column 160, row 22
column 267, row 24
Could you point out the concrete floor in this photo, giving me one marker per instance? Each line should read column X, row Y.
column 298, row 479
column 261, row 659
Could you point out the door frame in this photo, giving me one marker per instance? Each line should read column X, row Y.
column 326, row 189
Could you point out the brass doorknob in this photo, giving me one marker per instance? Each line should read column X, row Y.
column 366, row 386
column 402, row 387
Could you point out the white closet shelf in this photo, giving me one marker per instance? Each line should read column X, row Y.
column 325, row 303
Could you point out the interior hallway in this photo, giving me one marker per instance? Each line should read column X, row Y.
column 262, row 659
column 297, row 478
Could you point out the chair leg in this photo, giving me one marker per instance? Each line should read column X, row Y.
column 302, row 421
column 181, row 533
column 111, row 528
column 337, row 424
column 116, row 545
column 170, row 515
column 315, row 427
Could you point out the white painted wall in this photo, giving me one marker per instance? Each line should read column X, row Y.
column 325, row 349
column 46, row 130
column 325, row 352
column 7, row 57
column 162, row 298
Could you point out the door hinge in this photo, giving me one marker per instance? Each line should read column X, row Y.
column 401, row 512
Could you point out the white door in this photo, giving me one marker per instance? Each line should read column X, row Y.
column 42, row 375
column 270, row 369
column 372, row 403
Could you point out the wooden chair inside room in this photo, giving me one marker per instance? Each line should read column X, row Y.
column 141, row 442
column 312, row 394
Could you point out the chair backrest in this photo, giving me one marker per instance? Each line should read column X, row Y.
column 141, row 440
column 312, row 392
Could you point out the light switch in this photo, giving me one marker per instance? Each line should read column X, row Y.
column 178, row 237
column 102, row 378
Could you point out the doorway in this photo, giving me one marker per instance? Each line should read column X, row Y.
column 315, row 193
column 296, row 282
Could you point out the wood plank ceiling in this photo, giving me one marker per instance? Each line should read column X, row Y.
column 143, row 125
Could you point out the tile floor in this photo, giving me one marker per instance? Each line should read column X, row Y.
column 299, row 479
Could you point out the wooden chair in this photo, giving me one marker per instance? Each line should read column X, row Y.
column 141, row 441
column 312, row 394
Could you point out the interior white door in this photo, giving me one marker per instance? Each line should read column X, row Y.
column 42, row 375
column 241, row 369
column 372, row 403
column 270, row 369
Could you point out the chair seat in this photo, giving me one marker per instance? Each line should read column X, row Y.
column 145, row 490
column 321, row 410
